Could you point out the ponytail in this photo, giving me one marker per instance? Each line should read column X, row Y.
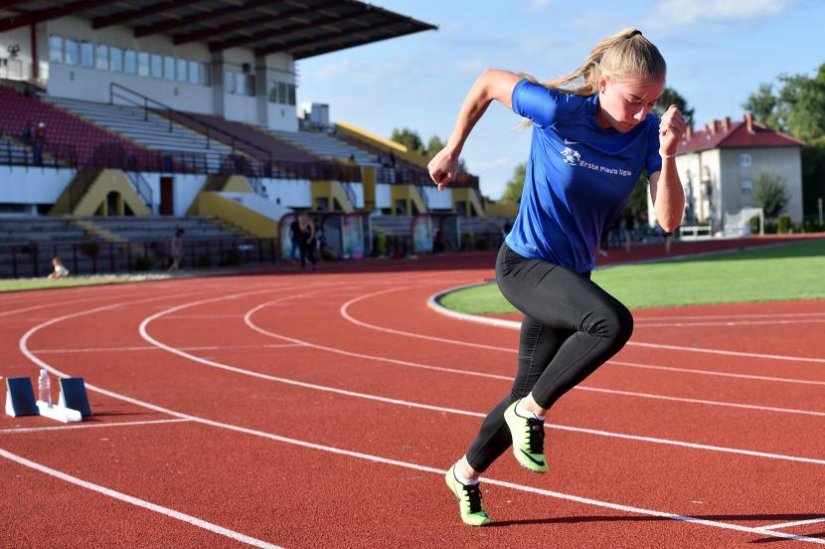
column 626, row 55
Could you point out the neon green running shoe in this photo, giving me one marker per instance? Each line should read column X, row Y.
column 469, row 500
column 528, row 439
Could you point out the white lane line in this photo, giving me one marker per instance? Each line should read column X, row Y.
column 704, row 402
column 753, row 377
column 90, row 426
column 410, row 404
column 344, row 311
column 587, row 501
column 153, row 348
column 409, row 465
column 516, row 325
column 728, row 323
column 800, row 316
column 120, row 496
column 793, row 524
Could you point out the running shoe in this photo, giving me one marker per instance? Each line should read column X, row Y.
column 528, row 439
column 469, row 500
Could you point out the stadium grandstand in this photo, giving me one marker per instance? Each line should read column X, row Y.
column 121, row 122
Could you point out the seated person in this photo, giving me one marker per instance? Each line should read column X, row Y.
column 60, row 271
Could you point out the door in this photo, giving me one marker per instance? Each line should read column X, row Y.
column 167, row 196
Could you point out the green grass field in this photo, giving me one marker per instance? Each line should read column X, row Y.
column 15, row 285
column 793, row 271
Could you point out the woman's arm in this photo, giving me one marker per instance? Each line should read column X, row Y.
column 492, row 85
column 665, row 186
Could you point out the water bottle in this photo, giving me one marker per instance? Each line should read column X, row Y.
column 45, row 387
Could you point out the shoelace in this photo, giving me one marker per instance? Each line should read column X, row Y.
column 473, row 495
column 536, row 435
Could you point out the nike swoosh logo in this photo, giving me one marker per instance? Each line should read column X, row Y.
column 568, row 142
column 531, row 458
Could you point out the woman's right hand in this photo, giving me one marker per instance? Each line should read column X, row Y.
column 443, row 168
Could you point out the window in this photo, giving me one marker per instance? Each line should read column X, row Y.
column 117, row 59
column 55, row 49
column 194, row 72
column 156, row 65
column 87, row 55
column 228, row 82
column 291, row 88
column 130, row 61
column 745, row 160
column 282, row 95
column 143, row 63
column 72, row 54
column 248, row 84
column 747, row 186
column 168, row 67
column 206, row 75
column 272, row 91
column 102, row 57
column 181, row 70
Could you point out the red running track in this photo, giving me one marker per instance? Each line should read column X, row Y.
column 321, row 410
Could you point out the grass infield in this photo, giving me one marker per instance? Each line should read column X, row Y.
column 787, row 272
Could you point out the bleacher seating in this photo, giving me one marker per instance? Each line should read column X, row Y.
column 150, row 130
column 326, row 146
column 64, row 132
column 250, row 140
column 161, row 228
column 27, row 229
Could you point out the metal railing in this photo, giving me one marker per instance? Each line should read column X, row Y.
column 89, row 257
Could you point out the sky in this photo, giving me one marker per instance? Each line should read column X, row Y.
column 718, row 53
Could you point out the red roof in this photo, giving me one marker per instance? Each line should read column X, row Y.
column 722, row 134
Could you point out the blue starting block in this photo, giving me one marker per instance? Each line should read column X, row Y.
column 20, row 397
column 73, row 395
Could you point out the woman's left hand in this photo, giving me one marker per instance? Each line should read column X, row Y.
column 671, row 130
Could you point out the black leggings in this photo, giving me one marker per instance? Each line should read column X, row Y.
column 570, row 327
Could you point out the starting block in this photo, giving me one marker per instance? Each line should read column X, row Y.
column 20, row 397
column 72, row 406
column 73, row 395
column 60, row 413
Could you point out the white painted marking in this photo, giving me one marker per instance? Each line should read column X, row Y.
column 785, row 525
column 120, row 496
column 154, row 348
column 516, row 325
column 558, row 495
column 366, row 396
column 90, row 426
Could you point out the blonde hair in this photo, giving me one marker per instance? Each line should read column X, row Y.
column 626, row 55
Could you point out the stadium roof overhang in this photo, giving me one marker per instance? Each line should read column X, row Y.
column 302, row 28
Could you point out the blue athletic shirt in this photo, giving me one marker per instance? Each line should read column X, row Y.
column 578, row 175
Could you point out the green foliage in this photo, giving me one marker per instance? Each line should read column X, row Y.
column 672, row 97
column 783, row 224
column 771, row 193
column 798, row 107
column 408, row 138
column 512, row 192
column 813, row 177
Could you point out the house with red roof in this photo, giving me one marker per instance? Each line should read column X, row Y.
column 720, row 164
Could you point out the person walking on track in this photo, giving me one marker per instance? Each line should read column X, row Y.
column 592, row 135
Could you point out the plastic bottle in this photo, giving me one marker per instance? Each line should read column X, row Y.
column 44, row 386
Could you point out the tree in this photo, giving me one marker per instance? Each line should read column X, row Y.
column 672, row 97
column 763, row 105
column 409, row 139
column 771, row 193
column 797, row 108
column 512, row 192
column 434, row 145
